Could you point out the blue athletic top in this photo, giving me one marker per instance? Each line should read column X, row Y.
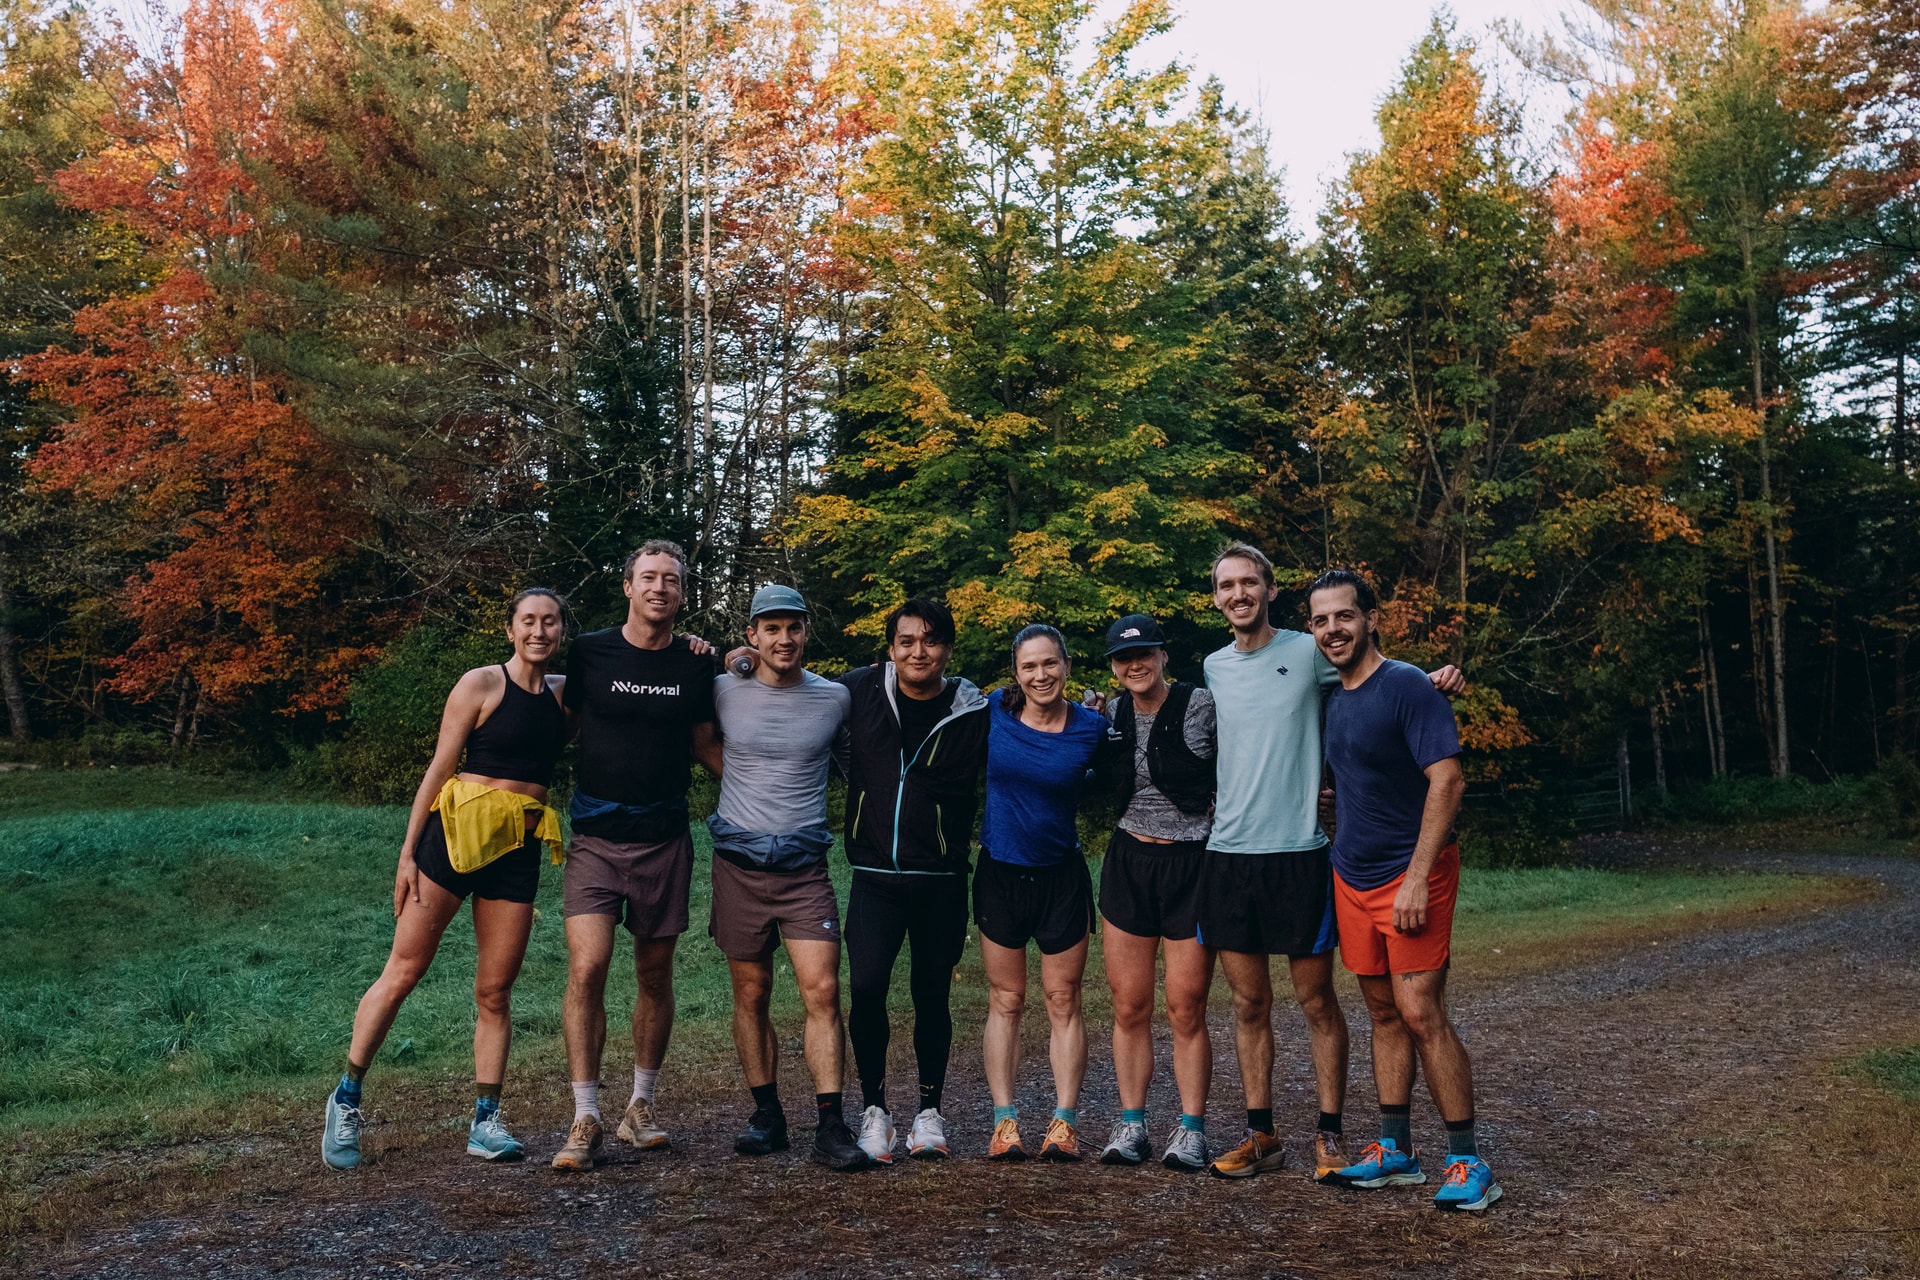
column 1033, row 785
column 1381, row 739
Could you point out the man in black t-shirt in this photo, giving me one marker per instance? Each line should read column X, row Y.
column 642, row 700
column 917, row 744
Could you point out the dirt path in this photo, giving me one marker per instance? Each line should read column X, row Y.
column 1671, row 1112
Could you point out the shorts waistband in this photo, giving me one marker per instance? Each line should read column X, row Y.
column 1125, row 839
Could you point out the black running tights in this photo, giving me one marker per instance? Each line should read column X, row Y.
column 884, row 912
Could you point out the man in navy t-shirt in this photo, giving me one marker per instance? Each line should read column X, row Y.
column 1395, row 753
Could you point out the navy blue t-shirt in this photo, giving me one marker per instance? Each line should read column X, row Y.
column 1381, row 738
column 1033, row 785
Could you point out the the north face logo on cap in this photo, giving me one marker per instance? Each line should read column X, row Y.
column 1130, row 633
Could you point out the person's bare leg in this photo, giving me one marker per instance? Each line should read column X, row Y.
column 1422, row 1001
column 500, row 932
column 1251, row 981
column 1326, row 1027
column 653, row 1004
column 1189, row 977
column 752, row 1019
column 1006, row 971
column 416, row 937
column 1061, row 978
column 583, row 1015
column 1392, row 1045
column 816, row 970
column 1130, row 975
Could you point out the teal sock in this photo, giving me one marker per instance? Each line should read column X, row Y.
column 1196, row 1123
column 1005, row 1113
column 1070, row 1114
column 485, row 1109
column 348, row 1094
column 1132, row 1115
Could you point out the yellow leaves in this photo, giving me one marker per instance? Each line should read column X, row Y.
column 826, row 516
column 1037, row 553
column 1118, row 504
column 975, row 604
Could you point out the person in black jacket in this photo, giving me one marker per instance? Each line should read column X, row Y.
column 917, row 746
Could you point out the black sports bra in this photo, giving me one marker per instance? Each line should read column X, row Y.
column 522, row 739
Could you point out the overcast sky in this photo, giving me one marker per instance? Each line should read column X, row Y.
column 1317, row 69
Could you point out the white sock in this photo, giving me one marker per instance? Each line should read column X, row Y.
column 586, row 1099
column 643, row 1081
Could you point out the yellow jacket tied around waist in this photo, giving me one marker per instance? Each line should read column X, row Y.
column 482, row 823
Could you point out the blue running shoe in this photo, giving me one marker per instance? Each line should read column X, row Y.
column 1468, row 1185
column 340, row 1140
column 490, row 1140
column 1382, row 1164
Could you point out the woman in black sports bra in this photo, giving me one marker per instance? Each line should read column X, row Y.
column 477, row 828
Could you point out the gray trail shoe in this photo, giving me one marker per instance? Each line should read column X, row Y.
column 1128, row 1144
column 1186, row 1149
column 490, row 1140
column 340, row 1140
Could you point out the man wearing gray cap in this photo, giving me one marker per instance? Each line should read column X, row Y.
column 780, row 725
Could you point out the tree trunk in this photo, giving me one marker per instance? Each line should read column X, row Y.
column 1659, row 751
column 19, row 728
column 1626, row 778
column 1776, row 606
column 1710, row 695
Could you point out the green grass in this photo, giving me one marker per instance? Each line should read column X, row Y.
column 176, row 953
column 1896, row 1069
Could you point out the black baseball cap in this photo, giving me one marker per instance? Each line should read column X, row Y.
column 1135, row 631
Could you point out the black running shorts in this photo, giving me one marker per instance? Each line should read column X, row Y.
column 1152, row 890
column 1053, row 906
column 1267, row 904
column 511, row 877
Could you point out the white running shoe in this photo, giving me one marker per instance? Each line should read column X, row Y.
column 876, row 1135
column 1186, row 1149
column 1129, row 1144
column 928, row 1141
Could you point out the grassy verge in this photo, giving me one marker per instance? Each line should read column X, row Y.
column 1895, row 1069
column 180, row 957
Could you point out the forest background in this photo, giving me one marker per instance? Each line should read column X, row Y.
column 330, row 323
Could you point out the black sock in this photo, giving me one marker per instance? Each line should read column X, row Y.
column 873, row 1095
column 1396, row 1123
column 1460, row 1138
column 930, row 1096
column 830, row 1107
column 766, row 1099
column 1330, row 1122
column 1260, row 1120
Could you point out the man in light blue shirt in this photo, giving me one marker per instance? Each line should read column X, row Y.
column 1266, row 886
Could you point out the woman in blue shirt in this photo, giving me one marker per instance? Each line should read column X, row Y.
column 1032, row 883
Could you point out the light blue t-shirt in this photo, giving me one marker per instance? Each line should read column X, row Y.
column 1267, row 707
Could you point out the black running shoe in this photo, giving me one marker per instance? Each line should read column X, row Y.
column 834, row 1147
column 766, row 1133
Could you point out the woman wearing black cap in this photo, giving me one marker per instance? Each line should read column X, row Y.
column 1162, row 775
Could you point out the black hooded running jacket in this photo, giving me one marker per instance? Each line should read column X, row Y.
column 911, row 817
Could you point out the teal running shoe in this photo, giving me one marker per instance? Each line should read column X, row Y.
column 1468, row 1185
column 1382, row 1164
column 340, row 1140
column 490, row 1140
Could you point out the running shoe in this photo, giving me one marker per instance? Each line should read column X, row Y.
column 1467, row 1185
column 928, row 1141
column 766, row 1133
column 639, row 1129
column 582, row 1150
column 876, row 1135
column 340, row 1140
column 490, row 1140
column 1129, row 1143
column 1006, row 1144
column 1062, row 1142
column 1259, row 1153
column 834, row 1147
column 1382, row 1164
column 1328, row 1158
column 1186, row 1149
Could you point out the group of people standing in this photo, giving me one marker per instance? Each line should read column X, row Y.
column 1219, row 855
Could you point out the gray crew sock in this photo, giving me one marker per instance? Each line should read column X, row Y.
column 1460, row 1140
column 1396, row 1124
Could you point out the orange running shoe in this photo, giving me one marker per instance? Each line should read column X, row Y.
column 1062, row 1143
column 1328, row 1158
column 1006, row 1143
column 1260, row 1153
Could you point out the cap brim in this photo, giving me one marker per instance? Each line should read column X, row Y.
column 1131, row 648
